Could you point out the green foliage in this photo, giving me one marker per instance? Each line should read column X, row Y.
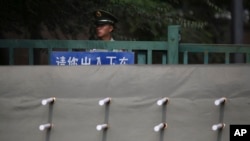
column 148, row 19
column 29, row 17
column 214, row 6
column 138, row 20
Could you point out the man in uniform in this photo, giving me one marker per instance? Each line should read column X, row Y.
column 105, row 24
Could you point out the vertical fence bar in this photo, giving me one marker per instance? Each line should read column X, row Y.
column 31, row 56
column 49, row 54
column 185, row 57
column 227, row 58
column 11, row 56
column 206, row 57
column 248, row 58
column 164, row 57
column 149, row 56
column 141, row 58
column 173, row 44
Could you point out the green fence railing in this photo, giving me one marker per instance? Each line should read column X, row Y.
column 225, row 50
column 168, row 52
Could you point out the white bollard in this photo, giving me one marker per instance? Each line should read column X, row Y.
column 220, row 101
column 104, row 101
column 219, row 126
column 162, row 101
column 45, row 126
column 48, row 100
column 101, row 127
column 160, row 127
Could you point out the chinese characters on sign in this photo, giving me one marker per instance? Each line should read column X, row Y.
column 91, row 58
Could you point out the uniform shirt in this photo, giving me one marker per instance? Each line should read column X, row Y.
column 105, row 50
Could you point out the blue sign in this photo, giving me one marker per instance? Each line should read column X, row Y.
column 91, row 58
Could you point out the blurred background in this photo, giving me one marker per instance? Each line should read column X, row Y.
column 202, row 21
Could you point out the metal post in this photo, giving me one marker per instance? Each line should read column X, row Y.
column 11, row 56
column 237, row 27
column 173, row 44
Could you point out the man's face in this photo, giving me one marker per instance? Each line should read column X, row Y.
column 103, row 30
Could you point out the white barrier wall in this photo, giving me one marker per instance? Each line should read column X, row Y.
column 132, row 114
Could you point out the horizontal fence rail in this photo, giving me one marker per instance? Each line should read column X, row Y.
column 143, row 49
column 146, row 52
column 225, row 50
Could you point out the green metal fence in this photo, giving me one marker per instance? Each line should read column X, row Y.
column 170, row 52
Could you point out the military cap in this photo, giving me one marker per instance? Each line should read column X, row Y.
column 103, row 17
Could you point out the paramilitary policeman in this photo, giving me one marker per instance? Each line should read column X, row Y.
column 105, row 24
